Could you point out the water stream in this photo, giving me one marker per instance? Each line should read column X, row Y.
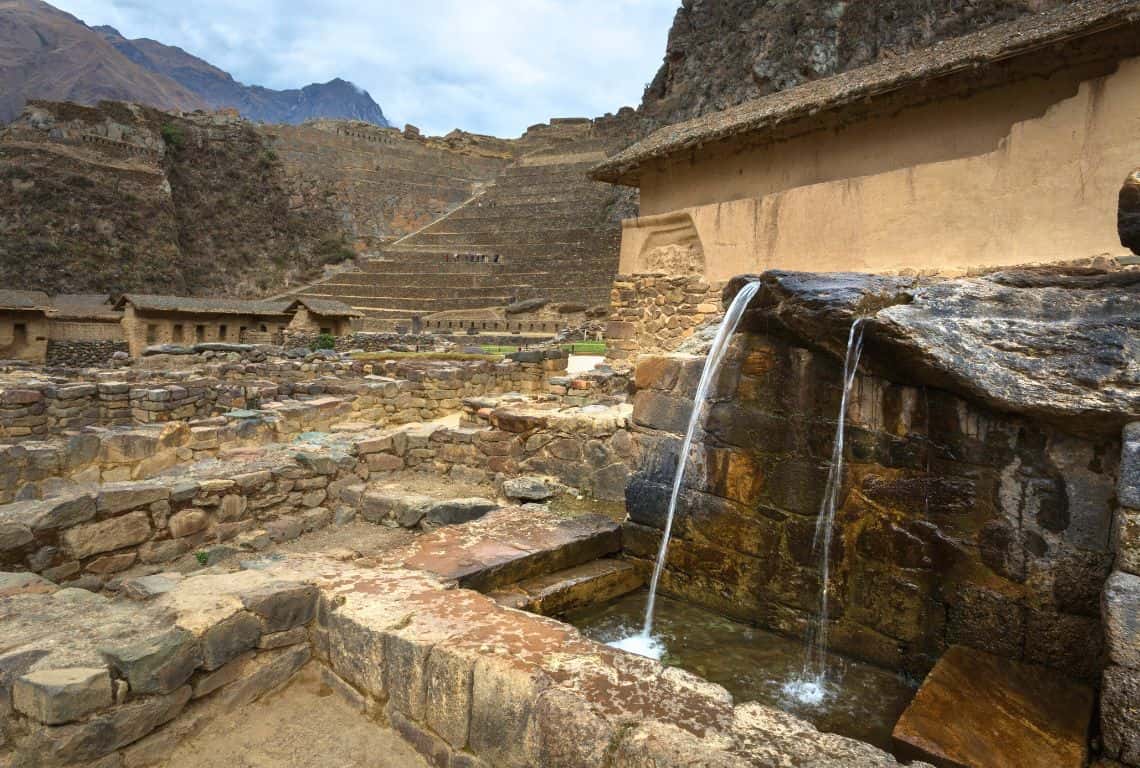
column 811, row 686
column 644, row 642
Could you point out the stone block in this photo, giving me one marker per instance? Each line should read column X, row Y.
column 229, row 638
column 188, row 522
column 1120, row 608
column 108, row 535
column 281, row 605
column 447, row 690
column 1120, row 714
column 978, row 709
column 1128, row 481
column 455, row 511
column 208, row 682
column 284, row 529
column 528, row 488
column 24, row 584
column 157, row 664
column 55, row 696
column 120, row 497
column 118, row 727
column 64, row 512
column 14, row 534
column 504, row 695
column 1127, row 539
column 660, row 411
column 108, row 564
column 283, row 639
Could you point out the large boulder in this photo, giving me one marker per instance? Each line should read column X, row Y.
column 1060, row 344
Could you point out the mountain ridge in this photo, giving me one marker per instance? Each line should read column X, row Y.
column 47, row 53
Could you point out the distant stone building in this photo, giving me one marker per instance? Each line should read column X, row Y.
column 149, row 320
column 322, row 316
column 23, row 325
column 1007, row 146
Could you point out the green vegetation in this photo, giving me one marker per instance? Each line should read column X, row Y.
column 575, row 348
column 172, row 135
column 324, row 341
column 333, row 251
column 449, row 356
column 202, row 557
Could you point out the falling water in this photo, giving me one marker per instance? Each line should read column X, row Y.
column 644, row 643
column 811, row 687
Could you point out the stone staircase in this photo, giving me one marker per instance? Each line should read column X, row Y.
column 541, row 230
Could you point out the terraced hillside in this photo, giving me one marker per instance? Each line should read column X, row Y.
column 541, row 229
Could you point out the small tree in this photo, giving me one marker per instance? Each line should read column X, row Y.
column 172, row 135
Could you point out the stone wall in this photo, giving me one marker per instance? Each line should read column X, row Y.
column 652, row 313
column 386, row 392
column 1120, row 608
column 82, row 354
column 956, row 524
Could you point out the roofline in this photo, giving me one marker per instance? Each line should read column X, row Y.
column 625, row 167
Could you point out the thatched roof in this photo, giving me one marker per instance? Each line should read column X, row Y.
column 912, row 73
column 326, row 307
column 24, row 300
column 152, row 303
column 83, row 306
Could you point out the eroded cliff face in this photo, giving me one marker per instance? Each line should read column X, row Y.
column 723, row 52
column 122, row 198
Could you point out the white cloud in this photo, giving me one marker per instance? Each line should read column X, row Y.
column 492, row 66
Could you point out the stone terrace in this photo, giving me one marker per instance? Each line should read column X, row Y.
column 543, row 220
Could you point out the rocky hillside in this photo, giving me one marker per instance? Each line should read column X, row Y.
column 336, row 99
column 120, row 198
column 723, row 52
column 48, row 54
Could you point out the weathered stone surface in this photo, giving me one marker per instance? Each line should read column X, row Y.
column 56, row 696
column 65, row 511
column 24, row 583
column 1053, row 344
column 107, row 535
column 591, row 583
column 455, row 511
column 1120, row 714
column 1120, row 608
column 229, row 638
column 188, row 522
column 283, row 639
column 120, row 497
column 407, row 509
column 528, row 488
column 147, row 587
column 281, row 605
column 978, row 709
column 156, row 664
column 114, row 729
column 208, row 682
column 1128, row 484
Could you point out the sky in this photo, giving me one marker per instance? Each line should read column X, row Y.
column 488, row 66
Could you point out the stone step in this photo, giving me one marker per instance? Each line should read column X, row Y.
column 977, row 709
column 557, row 593
column 512, row 545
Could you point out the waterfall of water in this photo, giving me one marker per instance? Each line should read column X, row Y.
column 644, row 643
column 812, row 687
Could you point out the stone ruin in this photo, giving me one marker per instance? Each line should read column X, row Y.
column 194, row 538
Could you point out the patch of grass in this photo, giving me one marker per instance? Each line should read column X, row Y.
column 447, row 356
column 586, row 348
column 172, row 135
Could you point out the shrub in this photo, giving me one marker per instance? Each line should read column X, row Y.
column 325, row 341
column 172, row 135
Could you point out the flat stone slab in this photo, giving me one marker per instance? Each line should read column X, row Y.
column 975, row 709
column 512, row 544
column 595, row 582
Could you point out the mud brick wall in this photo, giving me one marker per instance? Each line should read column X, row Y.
column 652, row 313
column 82, row 354
column 956, row 524
column 1120, row 608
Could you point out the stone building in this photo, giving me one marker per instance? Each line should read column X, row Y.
column 1007, row 146
column 23, row 325
column 150, row 319
column 323, row 316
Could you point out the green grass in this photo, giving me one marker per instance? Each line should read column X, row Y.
column 576, row 348
column 451, row 356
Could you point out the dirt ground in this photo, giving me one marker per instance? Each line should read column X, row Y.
column 303, row 725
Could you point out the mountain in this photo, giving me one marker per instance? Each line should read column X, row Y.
column 336, row 99
column 48, row 54
column 723, row 52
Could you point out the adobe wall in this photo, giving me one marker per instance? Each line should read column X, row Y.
column 1028, row 173
column 23, row 335
column 956, row 524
